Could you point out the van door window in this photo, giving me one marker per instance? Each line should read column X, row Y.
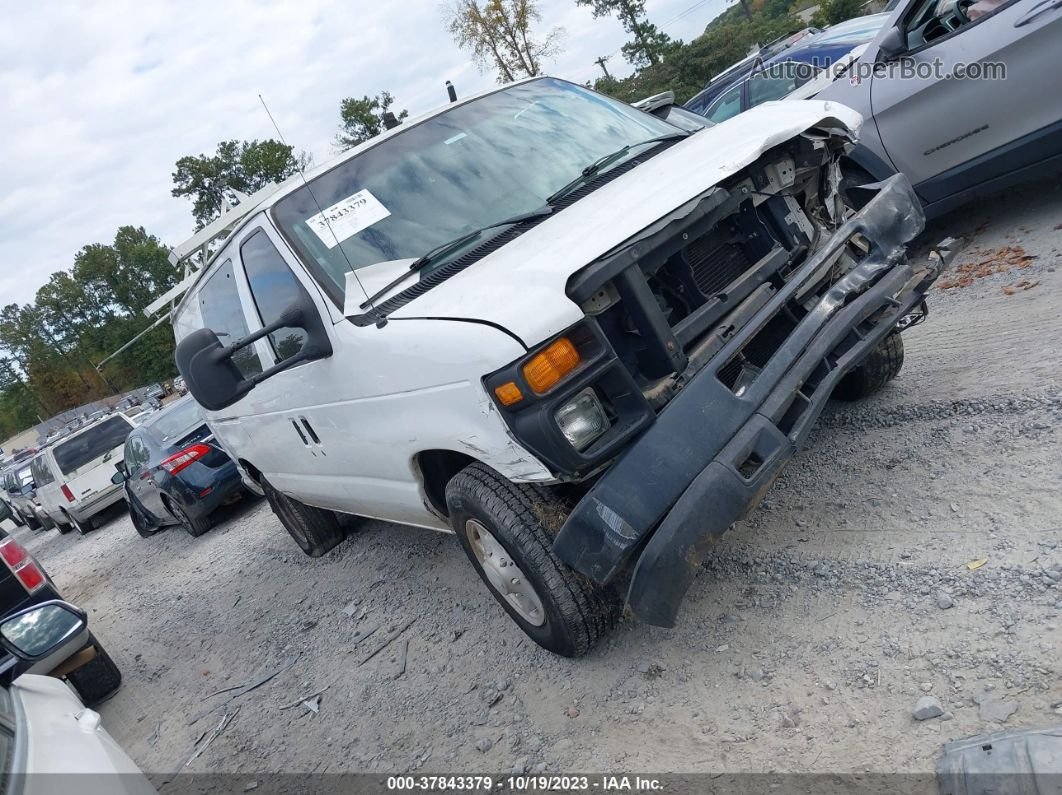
column 222, row 312
column 274, row 288
column 42, row 475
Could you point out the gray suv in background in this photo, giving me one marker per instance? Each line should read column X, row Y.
column 956, row 137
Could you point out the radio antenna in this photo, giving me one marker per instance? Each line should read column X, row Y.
column 306, row 183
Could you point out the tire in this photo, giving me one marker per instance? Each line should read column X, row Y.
column 84, row 528
column 315, row 530
column 96, row 680
column 138, row 517
column 33, row 523
column 47, row 523
column 64, row 527
column 573, row 613
column 882, row 364
column 194, row 527
column 16, row 517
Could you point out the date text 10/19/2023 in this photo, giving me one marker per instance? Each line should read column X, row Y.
column 534, row 783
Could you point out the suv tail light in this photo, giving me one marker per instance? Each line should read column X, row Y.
column 67, row 493
column 25, row 568
column 188, row 456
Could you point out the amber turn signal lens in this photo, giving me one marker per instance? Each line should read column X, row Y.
column 508, row 393
column 551, row 365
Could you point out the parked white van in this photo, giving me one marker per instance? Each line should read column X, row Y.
column 582, row 339
column 73, row 476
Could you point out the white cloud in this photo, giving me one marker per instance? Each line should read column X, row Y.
column 99, row 101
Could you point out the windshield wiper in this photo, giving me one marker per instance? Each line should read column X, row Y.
column 604, row 161
column 453, row 245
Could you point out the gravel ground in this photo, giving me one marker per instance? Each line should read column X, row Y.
column 804, row 645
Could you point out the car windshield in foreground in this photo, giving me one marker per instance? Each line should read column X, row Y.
column 86, row 447
column 493, row 158
column 178, row 420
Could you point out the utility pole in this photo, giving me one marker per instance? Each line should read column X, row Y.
column 601, row 62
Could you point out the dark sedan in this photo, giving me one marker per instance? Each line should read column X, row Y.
column 174, row 472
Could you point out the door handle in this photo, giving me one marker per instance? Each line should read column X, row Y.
column 1036, row 10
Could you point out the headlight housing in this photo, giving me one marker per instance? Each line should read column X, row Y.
column 570, row 401
column 582, row 419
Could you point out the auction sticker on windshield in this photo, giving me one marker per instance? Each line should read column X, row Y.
column 347, row 217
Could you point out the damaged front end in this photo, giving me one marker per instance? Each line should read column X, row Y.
column 713, row 340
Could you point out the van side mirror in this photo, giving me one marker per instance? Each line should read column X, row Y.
column 892, row 44
column 213, row 378
column 42, row 636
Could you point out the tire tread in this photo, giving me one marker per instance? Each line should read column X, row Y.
column 585, row 608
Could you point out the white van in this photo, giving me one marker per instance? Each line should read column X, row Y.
column 73, row 476
column 582, row 339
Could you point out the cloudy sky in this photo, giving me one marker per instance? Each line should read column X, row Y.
column 98, row 100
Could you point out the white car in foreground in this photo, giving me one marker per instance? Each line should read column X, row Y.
column 55, row 743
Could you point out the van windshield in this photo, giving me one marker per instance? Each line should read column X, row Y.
column 481, row 162
column 86, row 447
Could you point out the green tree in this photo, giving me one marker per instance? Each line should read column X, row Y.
column 650, row 44
column 498, row 35
column 834, row 11
column 244, row 166
column 362, row 119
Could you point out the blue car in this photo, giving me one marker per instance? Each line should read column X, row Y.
column 774, row 75
column 174, row 472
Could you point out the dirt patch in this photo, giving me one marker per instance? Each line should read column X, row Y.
column 988, row 263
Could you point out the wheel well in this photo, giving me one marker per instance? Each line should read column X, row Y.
column 254, row 472
column 436, row 468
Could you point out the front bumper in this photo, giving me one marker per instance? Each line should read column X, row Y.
column 712, row 454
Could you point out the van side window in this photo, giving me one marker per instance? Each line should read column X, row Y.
column 274, row 287
column 222, row 312
column 42, row 474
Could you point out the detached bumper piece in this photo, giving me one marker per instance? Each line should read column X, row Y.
column 716, row 448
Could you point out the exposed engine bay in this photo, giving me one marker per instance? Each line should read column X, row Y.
column 705, row 282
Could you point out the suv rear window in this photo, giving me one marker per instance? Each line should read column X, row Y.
column 86, row 447
column 177, row 421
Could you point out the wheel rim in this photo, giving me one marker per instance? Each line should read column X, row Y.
column 503, row 575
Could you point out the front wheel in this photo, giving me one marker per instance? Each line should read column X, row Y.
column 315, row 530
column 881, row 365
column 503, row 530
column 97, row 679
column 138, row 516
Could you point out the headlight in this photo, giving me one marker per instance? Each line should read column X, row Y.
column 582, row 419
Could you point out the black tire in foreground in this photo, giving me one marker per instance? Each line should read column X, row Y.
column 98, row 679
column 315, row 530
column 506, row 531
column 882, row 364
column 16, row 517
column 195, row 527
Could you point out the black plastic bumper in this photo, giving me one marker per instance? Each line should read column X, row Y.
column 712, row 454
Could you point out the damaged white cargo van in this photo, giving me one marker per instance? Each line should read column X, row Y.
column 580, row 338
